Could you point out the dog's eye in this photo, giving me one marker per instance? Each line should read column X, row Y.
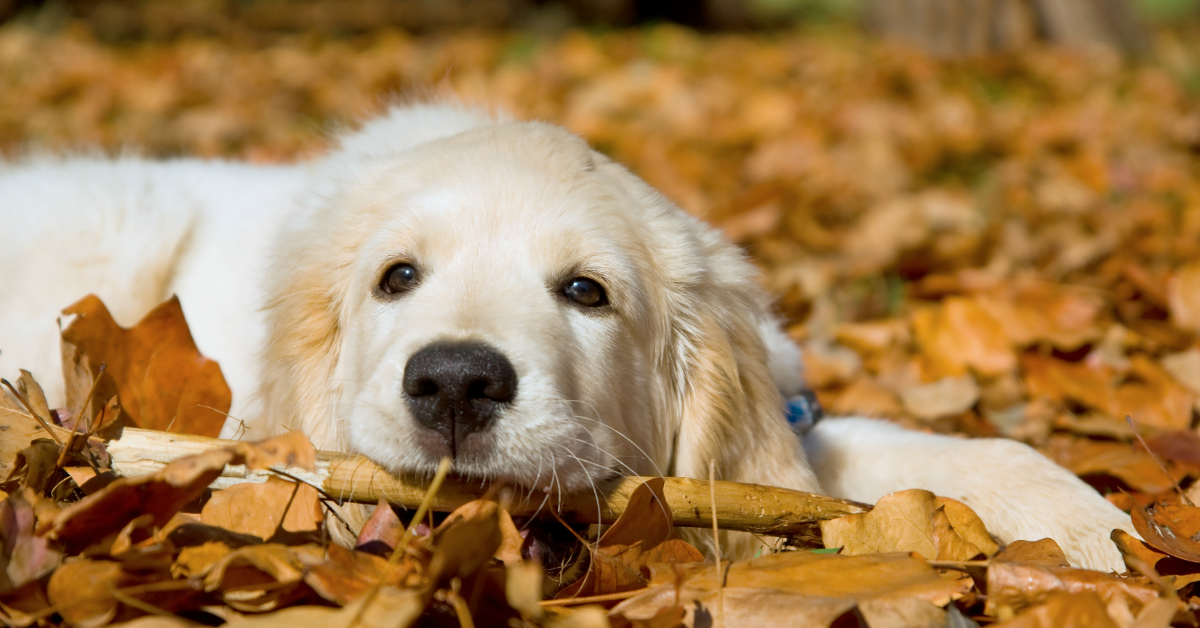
column 398, row 278
column 584, row 291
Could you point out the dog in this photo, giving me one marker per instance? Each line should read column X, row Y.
column 451, row 283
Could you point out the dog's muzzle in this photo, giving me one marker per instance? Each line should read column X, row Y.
column 457, row 388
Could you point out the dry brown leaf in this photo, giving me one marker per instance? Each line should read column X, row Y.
column 381, row 532
column 162, row 380
column 914, row 520
column 24, row 557
column 829, row 365
column 81, row 590
column 511, row 541
column 1032, row 312
column 346, row 575
column 1089, row 384
column 864, row 397
column 19, row 429
column 259, row 578
column 163, row 493
column 1065, row 610
column 1185, row 368
column 766, row 608
column 1183, row 296
column 641, row 536
column 277, row 506
column 465, row 541
column 1012, row 587
column 944, row 398
column 1124, row 461
column 879, row 576
column 196, row 561
column 961, row 335
column 1170, row 527
column 1041, row 552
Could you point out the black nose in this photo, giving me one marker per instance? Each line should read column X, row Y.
column 455, row 388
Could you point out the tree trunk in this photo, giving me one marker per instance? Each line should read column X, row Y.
column 958, row 28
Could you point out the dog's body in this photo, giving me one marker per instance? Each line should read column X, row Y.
column 447, row 284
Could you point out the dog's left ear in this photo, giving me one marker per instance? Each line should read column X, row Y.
column 730, row 407
column 723, row 402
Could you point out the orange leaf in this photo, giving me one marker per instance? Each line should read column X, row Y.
column 161, row 379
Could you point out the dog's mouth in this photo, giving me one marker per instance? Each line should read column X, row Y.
column 553, row 545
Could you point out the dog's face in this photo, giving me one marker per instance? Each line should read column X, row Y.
column 495, row 308
column 498, row 315
column 511, row 299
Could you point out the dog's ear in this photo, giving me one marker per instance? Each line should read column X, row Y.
column 730, row 408
column 299, row 389
column 723, row 401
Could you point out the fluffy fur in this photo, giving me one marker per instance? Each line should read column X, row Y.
column 278, row 271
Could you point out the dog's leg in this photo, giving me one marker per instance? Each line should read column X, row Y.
column 1018, row 493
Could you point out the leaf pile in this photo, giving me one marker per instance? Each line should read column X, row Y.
column 1007, row 246
column 161, row 549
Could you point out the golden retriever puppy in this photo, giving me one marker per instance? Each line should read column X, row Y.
column 446, row 284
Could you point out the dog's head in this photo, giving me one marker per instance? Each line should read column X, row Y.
column 510, row 298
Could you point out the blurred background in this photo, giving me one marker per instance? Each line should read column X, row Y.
column 979, row 216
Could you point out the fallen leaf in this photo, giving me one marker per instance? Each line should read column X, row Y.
column 17, row 430
column 764, row 608
column 960, row 336
column 864, row 397
column 346, row 575
column 82, row 591
column 381, row 532
column 1183, row 297
column 162, row 380
column 1041, row 552
column 914, row 520
column 1125, row 461
column 465, row 540
column 196, row 561
column 642, row 535
column 891, row 580
column 1012, row 587
column 259, row 578
column 275, row 507
column 828, row 365
column 1170, row 527
column 24, row 558
column 163, row 493
column 1185, row 368
column 944, row 398
column 1065, row 610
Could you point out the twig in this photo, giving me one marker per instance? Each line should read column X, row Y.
column 62, row 457
column 31, row 411
column 593, row 599
column 712, row 488
column 88, row 399
column 1161, row 466
column 763, row 510
column 460, row 605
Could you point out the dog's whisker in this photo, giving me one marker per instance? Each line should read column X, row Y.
column 595, row 492
column 614, row 430
column 616, row 459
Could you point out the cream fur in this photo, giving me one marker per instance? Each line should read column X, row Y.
column 276, row 269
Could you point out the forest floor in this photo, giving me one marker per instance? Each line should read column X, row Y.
column 1006, row 246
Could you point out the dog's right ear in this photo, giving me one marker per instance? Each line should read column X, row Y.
column 298, row 389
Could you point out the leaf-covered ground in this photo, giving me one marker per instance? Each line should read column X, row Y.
column 1006, row 246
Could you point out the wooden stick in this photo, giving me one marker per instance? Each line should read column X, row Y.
column 744, row 507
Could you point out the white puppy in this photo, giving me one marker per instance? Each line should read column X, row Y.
column 447, row 284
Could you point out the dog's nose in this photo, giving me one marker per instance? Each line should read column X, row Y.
column 455, row 388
